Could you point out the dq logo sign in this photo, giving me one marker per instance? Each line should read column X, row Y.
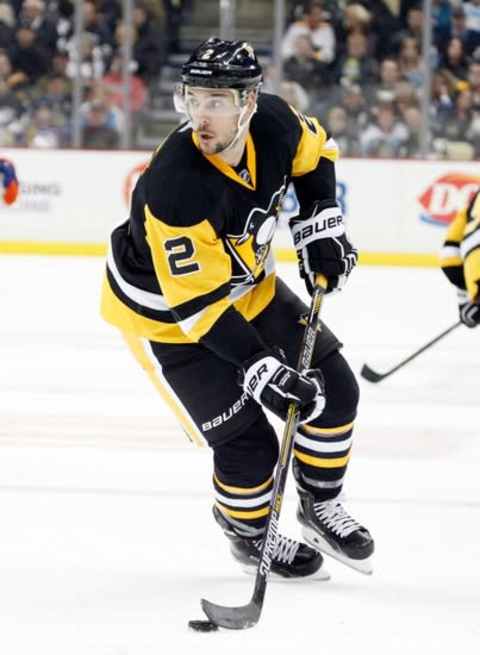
column 446, row 196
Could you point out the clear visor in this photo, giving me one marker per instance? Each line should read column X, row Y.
column 196, row 101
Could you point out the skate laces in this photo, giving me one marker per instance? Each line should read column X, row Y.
column 285, row 548
column 334, row 516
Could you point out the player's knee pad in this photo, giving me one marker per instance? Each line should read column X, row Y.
column 341, row 391
column 250, row 457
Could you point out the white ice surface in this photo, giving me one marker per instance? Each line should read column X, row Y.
column 106, row 538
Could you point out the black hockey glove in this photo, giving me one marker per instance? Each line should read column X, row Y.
column 322, row 246
column 274, row 385
column 469, row 311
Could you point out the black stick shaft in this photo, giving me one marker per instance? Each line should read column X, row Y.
column 246, row 616
column 290, row 429
column 380, row 376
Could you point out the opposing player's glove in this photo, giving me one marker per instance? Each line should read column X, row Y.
column 275, row 385
column 322, row 246
column 9, row 181
column 469, row 311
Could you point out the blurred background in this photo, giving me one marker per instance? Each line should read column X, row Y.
column 388, row 78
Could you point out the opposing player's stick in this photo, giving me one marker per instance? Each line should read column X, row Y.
column 372, row 376
column 246, row 616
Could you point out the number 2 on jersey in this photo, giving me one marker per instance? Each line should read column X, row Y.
column 181, row 251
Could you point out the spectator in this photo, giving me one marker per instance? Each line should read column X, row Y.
column 412, row 117
column 96, row 25
column 355, row 66
column 441, row 100
column 290, row 90
column 113, row 81
column 454, row 64
column 474, row 84
column 457, row 29
column 316, row 25
column 42, row 130
column 55, row 91
column 92, row 62
column 355, row 19
column 355, row 105
column 149, row 41
column 457, row 125
column 305, row 68
column 442, row 18
column 98, row 132
column 340, row 129
column 410, row 62
column 413, row 29
column 7, row 23
column 385, row 135
column 384, row 88
column 28, row 58
column 173, row 14
column 10, row 113
column 472, row 23
column 99, row 95
column 147, row 55
column 406, row 96
column 33, row 15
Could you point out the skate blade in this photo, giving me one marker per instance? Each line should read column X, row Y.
column 321, row 575
column 361, row 565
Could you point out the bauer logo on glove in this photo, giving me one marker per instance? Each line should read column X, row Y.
column 9, row 180
column 329, row 225
column 322, row 246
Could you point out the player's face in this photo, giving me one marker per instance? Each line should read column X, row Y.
column 214, row 114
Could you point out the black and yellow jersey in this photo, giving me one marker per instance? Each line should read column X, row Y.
column 460, row 255
column 197, row 244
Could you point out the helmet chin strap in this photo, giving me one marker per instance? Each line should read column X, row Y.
column 242, row 126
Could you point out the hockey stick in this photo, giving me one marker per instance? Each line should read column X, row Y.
column 246, row 616
column 372, row 376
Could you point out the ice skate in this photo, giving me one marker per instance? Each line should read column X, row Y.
column 291, row 559
column 331, row 530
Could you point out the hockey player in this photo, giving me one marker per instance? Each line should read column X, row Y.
column 9, row 180
column 460, row 260
column 190, row 281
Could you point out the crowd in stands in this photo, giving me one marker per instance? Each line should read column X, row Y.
column 39, row 59
column 359, row 67
column 356, row 64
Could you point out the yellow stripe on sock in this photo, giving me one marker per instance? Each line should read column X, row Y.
column 242, row 490
column 238, row 514
column 321, row 462
column 340, row 429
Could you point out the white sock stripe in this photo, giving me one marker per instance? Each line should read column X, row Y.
column 323, row 447
column 244, row 502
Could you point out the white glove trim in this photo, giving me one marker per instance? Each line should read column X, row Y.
column 328, row 223
column 259, row 374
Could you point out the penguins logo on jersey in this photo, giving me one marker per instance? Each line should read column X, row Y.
column 260, row 227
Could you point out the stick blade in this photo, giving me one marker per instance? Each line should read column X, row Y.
column 370, row 375
column 233, row 618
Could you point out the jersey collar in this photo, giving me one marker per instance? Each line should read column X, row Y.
column 230, row 172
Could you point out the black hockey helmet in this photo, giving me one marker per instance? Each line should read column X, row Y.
column 223, row 64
